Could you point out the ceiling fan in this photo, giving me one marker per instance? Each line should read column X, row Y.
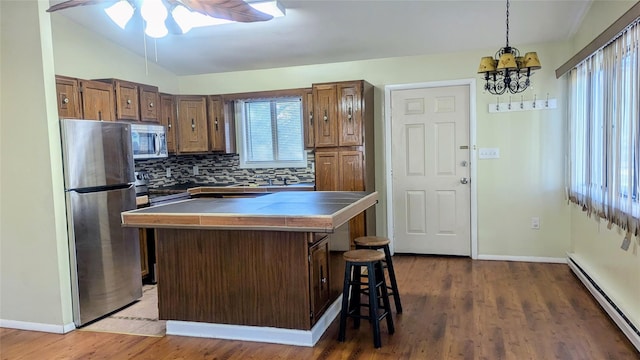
column 184, row 14
column 234, row 10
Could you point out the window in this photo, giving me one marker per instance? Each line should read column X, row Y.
column 271, row 133
column 604, row 130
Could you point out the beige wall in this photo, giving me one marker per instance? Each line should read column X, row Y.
column 525, row 182
column 34, row 270
column 82, row 54
column 600, row 16
column 597, row 247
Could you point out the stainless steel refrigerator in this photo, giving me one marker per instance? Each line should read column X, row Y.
column 99, row 185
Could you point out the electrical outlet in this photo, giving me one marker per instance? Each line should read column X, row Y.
column 196, row 171
column 168, row 172
column 535, row 223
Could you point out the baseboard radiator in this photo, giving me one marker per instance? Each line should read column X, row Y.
column 616, row 314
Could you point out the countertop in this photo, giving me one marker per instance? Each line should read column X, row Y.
column 315, row 211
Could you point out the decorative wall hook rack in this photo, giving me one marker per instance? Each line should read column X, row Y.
column 523, row 105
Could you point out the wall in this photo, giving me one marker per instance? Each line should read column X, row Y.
column 526, row 181
column 34, row 271
column 597, row 247
column 83, row 54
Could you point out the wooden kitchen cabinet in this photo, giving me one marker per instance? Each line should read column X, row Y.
column 325, row 115
column 98, row 101
column 127, row 99
column 149, row 103
column 216, row 123
column 307, row 118
column 350, row 113
column 344, row 156
column 327, row 171
column 319, row 278
column 167, row 116
column 68, row 94
column 338, row 109
column 192, row 134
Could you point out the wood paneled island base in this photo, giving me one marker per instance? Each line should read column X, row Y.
column 277, row 285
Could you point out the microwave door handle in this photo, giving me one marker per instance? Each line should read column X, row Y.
column 157, row 143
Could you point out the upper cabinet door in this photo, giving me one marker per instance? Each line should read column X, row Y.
column 192, row 124
column 307, row 119
column 325, row 115
column 68, row 93
column 149, row 103
column 127, row 100
column 168, row 119
column 216, row 124
column 350, row 113
column 97, row 100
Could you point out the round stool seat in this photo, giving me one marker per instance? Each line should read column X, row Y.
column 371, row 241
column 363, row 255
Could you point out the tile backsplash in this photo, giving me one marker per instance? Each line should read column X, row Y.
column 220, row 169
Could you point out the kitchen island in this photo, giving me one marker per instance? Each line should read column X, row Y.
column 267, row 268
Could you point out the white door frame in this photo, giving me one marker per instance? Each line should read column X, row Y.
column 472, row 152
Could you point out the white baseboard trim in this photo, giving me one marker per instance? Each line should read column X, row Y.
column 257, row 333
column 607, row 304
column 523, row 258
column 31, row 326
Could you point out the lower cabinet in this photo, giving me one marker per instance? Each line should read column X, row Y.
column 319, row 278
column 343, row 170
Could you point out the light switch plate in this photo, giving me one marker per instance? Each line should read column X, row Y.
column 489, row 153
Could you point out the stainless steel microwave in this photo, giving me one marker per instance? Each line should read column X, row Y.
column 149, row 141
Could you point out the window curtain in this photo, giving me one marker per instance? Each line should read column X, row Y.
column 604, row 132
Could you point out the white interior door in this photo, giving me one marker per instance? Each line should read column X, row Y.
column 430, row 170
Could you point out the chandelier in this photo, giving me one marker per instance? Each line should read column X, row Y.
column 507, row 70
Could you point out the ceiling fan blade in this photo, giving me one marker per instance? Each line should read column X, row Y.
column 73, row 3
column 236, row 10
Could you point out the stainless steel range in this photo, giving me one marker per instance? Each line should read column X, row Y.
column 142, row 183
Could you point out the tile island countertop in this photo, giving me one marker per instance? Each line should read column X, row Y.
column 317, row 211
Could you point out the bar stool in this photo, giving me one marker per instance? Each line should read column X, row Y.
column 379, row 242
column 377, row 290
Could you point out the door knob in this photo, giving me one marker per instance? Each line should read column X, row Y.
column 464, row 164
column 464, row 181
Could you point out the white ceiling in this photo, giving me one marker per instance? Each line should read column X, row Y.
column 327, row 31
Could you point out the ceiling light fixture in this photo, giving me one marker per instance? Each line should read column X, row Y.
column 507, row 70
column 155, row 13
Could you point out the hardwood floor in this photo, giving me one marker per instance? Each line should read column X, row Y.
column 454, row 308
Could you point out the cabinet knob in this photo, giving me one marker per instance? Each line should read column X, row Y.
column 151, row 105
column 349, row 114
column 65, row 100
column 216, row 122
column 311, row 117
column 325, row 115
column 193, row 125
column 128, row 101
column 169, row 123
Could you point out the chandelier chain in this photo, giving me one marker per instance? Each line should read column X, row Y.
column 507, row 22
